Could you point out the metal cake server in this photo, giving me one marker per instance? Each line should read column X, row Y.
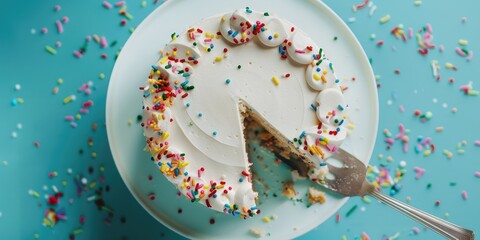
column 350, row 181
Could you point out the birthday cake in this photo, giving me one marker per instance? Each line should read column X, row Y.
column 224, row 71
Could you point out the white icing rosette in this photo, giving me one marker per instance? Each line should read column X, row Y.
column 235, row 27
column 273, row 33
column 301, row 48
column 320, row 75
column 173, row 70
column 331, row 107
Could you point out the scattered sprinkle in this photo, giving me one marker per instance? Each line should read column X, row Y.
column 464, row 195
column 107, row 5
column 385, row 19
column 419, row 171
column 351, row 210
column 59, row 27
column 50, row 50
column 360, row 5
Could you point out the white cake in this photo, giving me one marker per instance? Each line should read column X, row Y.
column 193, row 119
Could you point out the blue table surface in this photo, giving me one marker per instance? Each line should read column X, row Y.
column 41, row 151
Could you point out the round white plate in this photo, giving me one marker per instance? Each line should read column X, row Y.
column 124, row 102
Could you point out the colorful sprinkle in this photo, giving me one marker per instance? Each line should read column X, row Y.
column 385, row 19
column 50, row 50
column 107, row 5
column 464, row 195
column 351, row 210
column 275, row 81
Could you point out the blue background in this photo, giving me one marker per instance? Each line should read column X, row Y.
column 25, row 167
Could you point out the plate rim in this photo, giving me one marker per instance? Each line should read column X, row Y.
column 109, row 109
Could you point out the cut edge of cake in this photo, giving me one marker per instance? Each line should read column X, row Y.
column 270, row 139
column 283, row 148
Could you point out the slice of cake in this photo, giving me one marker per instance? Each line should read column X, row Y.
column 222, row 73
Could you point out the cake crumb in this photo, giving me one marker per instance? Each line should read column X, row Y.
column 296, row 175
column 288, row 190
column 257, row 232
column 315, row 196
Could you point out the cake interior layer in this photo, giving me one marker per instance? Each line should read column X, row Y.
column 256, row 129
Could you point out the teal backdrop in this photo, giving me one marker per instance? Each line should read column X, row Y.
column 41, row 152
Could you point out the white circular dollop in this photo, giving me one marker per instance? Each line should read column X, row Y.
column 320, row 77
column 330, row 101
column 298, row 48
column 332, row 138
column 273, row 33
column 233, row 25
column 225, row 28
column 326, row 140
column 238, row 20
column 173, row 68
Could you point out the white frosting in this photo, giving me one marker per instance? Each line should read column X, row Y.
column 191, row 117
column 331, row 106
column 321, row 76
column 319, row 173
column 274, row 34
column 301, row 48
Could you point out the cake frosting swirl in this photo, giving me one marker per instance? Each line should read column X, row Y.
column 192, row 119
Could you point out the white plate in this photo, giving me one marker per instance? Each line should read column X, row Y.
column 124, row 102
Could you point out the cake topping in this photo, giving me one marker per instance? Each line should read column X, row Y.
column 273, row 33
column 301, row 48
